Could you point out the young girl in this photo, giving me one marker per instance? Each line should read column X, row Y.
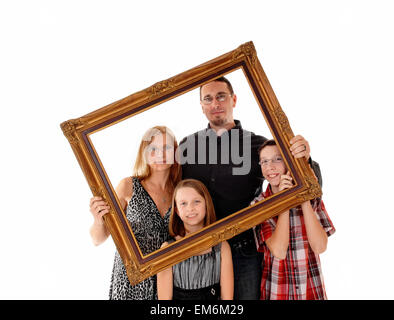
column 209, row 275
column 292, row 241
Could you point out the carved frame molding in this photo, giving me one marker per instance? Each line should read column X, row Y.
column 77, row 131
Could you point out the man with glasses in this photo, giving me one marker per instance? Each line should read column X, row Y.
column 212, row 156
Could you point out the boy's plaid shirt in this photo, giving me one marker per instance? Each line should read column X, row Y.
column 299, row 275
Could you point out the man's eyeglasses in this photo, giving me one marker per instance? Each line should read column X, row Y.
column 275, row 160
column 219, row 97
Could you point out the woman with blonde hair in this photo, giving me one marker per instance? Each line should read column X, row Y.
column 146, row 199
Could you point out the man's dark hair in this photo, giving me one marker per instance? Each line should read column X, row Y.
column 225, row 80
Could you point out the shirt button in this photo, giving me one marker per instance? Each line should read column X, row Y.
column 213, row 179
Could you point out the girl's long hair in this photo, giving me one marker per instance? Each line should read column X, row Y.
column 176, row 226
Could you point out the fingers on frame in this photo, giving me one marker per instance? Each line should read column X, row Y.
column 300, row 149
column 296, row 139
column 97, row 204
column 103, row 212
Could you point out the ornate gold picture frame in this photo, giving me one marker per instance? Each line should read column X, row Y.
column 78, row 132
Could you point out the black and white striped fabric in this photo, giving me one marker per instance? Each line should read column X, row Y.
column 198, row 271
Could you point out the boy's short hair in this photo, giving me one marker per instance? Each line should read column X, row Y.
column 270, row 142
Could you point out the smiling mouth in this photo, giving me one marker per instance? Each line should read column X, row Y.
column 160, row 162
column 191, row 215
column 271, row 176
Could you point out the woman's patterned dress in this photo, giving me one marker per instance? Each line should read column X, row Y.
column 150, row 231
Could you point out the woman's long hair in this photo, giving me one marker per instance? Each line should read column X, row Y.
column 141, row 167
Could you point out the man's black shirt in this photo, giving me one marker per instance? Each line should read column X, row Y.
column 230, row 193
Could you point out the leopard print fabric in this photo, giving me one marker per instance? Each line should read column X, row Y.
column 150, row 231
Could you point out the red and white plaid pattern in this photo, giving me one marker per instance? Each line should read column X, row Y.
column 299, row 276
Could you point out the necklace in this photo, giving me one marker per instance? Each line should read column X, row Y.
column 162, row 196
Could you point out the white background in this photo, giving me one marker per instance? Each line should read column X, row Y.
column 330, row 64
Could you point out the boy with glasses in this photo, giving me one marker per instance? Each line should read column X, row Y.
column 292, row 241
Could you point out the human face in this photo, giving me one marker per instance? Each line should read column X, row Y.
column 191, row 208
column 274, row 168
column 218, row 113
column 160, row 152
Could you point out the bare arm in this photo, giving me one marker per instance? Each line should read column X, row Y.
column 278, row 243
column 98, row 230
column 99, row 208
column 165, row 282
column 226, row 273
column 317, row 236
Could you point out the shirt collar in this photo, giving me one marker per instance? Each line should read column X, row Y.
column 268, row 192
column 237, row 125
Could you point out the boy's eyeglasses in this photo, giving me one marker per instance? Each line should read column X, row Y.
column 275, row 160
